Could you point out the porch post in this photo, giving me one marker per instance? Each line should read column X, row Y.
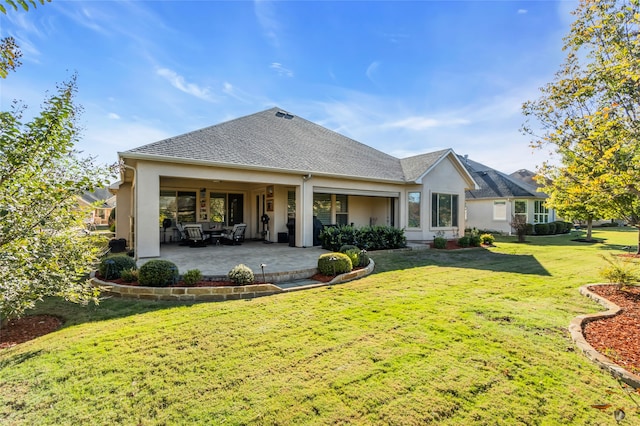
column 304, row 214
column 147, row 220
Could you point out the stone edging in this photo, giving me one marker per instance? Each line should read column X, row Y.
column 576, row 329
column 215, row 294
column 339, row 279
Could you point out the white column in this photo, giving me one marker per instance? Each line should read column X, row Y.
column 147, row 238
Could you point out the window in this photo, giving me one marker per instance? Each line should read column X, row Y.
column 226, row 208
column 414, row 209
column 322, row 208
column 291, row 203
column 218, row 207
column 540, row 212
column 342, row 210
column 499, row 210
column 520, row 209
column 179, row 206
column 444, row 210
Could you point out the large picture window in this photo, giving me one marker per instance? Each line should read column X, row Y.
column 444, row 210
column 520, row 209
column 414, row 209
column 540, row 212
column 179, row 206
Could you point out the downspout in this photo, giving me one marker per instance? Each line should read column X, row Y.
column 135, row 209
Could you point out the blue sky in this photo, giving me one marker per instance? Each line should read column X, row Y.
column 404, row 77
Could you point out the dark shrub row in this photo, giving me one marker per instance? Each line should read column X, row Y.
column 375, row 237
column 551, row 228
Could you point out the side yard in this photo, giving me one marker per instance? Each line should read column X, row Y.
column 476, row 336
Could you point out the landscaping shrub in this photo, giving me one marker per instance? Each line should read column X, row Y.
column 375, row 237
column 439, row 243
column 129, row 275
column 464, row 241
column 347, row 247
column 364, row 258
column 487, row 239
column 158, row 273
column 111, row 267
column 623, row 272
column 241, row 275
column 541, row 228
column 474, row 240
column 192, row 276
column 560, row 227
column 552, row 228
column 528, row 229
column 334, row 263
column 568, row 227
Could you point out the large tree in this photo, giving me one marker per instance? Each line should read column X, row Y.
column 42, row 249
column 589, row 115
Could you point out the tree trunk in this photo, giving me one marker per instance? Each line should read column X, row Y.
column 589, row 228
column 638, row 249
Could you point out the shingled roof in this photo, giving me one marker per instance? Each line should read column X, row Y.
column 277, row 140
column 495, row 184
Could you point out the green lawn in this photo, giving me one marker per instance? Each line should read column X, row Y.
column 476, row 336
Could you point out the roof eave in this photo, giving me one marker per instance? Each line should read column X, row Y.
column 191, row 161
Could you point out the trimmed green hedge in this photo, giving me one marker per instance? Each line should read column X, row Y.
column 334, row 263
column 111, row 267
column 158, row 273
column 375, row 237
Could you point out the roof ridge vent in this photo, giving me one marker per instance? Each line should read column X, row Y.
column 284, row 114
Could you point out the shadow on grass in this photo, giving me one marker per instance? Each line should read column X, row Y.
column 108, row 308
column 479, row 259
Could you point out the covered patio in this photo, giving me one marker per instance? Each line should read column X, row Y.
column 282, row 262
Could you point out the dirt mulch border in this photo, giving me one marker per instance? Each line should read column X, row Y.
column 576, row 330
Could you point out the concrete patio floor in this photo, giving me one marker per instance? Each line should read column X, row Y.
column 218, row 260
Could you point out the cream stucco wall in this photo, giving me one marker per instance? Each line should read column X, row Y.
column 367, row 199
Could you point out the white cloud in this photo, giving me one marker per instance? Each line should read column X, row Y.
column 265, row 14
column 285, row 72
column 371, row 70
column 180, row 83
column 421, row 123
column 522, row 11
column 113, row 116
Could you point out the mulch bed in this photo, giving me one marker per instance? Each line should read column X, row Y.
column 618, row 337
column 26, row 328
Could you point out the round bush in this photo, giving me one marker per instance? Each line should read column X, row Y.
column 464, row 241
column 439, row 243
column 241, row 275
column 111, row 267
column 192, row 276
column 334, row 263
column 474, row 240
column 158, row 273
column 487, row 239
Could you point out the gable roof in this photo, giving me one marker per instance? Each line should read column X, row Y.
column 102, row 195
column 495, row 184
column 279, row 141
column 275, row 140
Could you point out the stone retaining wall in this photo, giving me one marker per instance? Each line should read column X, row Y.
column 216, row 294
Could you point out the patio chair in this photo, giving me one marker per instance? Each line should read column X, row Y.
column 235, row 235
column 195, row 235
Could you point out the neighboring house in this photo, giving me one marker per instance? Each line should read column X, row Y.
column 502, row 197
column 100, row 203
column 292, row 170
